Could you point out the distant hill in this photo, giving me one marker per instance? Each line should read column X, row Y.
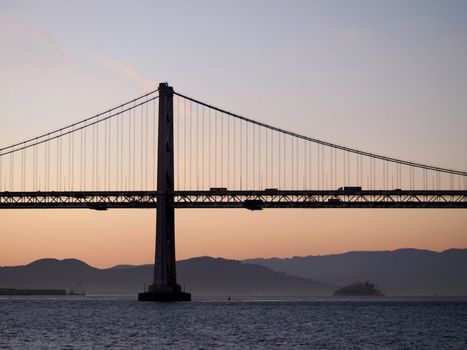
column 201, row 276
column 398, row 272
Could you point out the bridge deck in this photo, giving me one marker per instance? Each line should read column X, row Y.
column 253, row 200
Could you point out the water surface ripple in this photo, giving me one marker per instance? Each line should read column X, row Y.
column 243, row 323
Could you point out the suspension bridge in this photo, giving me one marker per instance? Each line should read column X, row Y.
column 166, row 150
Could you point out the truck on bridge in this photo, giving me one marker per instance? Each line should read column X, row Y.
column 350, row 189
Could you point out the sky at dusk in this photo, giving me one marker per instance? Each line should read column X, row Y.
column 389, row 77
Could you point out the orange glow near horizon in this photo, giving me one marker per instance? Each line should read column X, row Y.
column 389, row 78
column 105, row 239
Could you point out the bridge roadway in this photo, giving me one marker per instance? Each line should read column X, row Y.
column 251, row 199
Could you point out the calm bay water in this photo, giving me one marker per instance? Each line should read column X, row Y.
column 243, row 323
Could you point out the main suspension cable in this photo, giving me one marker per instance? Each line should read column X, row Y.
column 328, row 144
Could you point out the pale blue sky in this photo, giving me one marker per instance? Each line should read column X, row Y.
column 389, row 77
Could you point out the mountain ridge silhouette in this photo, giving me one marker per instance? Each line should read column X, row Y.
column 201, row 276
column 405, row 271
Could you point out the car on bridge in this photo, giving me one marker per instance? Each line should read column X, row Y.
column 218, row 189
column 350, row 189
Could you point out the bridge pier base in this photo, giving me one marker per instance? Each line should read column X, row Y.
column 156, row 294
column 165, row 286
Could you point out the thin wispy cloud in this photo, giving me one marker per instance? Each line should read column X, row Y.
column 30, row 47
column 125, row 70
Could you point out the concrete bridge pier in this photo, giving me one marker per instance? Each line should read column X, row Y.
column 165, row 286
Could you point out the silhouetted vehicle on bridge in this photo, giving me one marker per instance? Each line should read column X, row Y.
column 218, row 189
column 350, row 189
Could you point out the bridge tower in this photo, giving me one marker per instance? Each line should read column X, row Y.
column 165, row 286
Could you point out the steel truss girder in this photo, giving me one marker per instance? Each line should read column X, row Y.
column 255, row 200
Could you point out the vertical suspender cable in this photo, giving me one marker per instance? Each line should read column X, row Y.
column 203, row 126
column 317, row 168
column 197, row 146
column 117, row 153
column 272, row 159
column 33, row 169
column 259, row 159
column 72, row 160
column 234, row 153
column 81, row 160
column 141, row 142
column 348, row 168
column 209, row 148
column 85, row 137
column 105, row 155
column 127, row 181
column 69, row 162
column 266, row 159
column 154, row 151
column 110, row 148
column 279, row 161
column 147, row 149
column 39, row 185
column 344, row 154
column 241, row 154
column 254, row 165
column 184, row 145
column 45, row 166
column 293, row 162
column 190, row 155
column 332, row 168
column 361, row 170
column 122, row 144
column 221, row 182
column 309, row 163
column 134, row 149
column 22, row 171
column 285, row 160
column 247, row 154
column 298, row 150
column 306, row 150
column 285, row 166
column 59, row 163
column 387, row 175
column 358, row 169
column 323, row 180
column 374, row 174
column 11, row 171
column 178, row 141
column 215, row 149
column 97, row 158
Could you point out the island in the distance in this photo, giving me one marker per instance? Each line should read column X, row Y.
column 359, row 289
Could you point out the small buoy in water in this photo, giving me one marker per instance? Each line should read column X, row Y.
column 229, row 299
